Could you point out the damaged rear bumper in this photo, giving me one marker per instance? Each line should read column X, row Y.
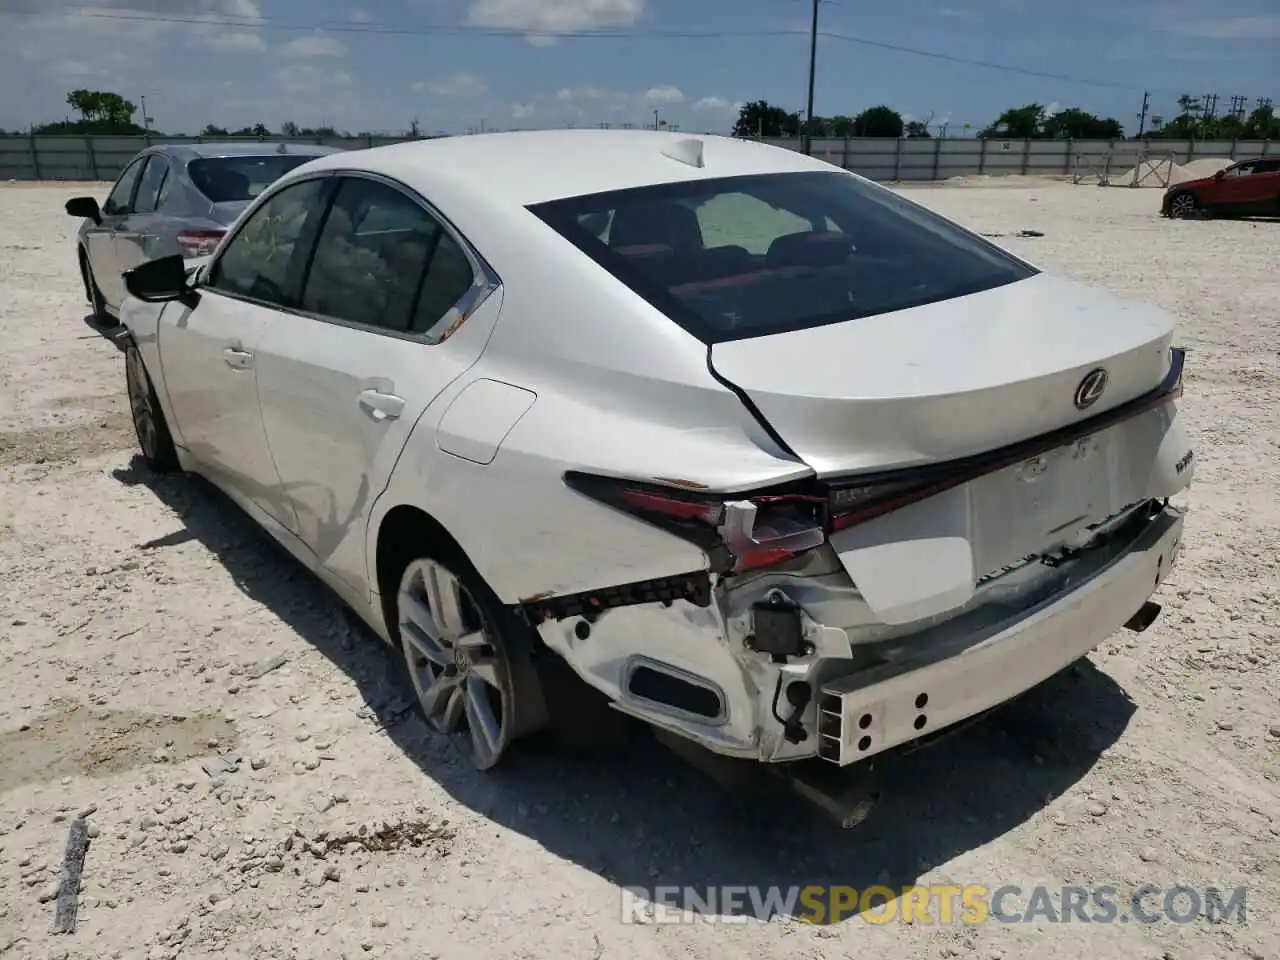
column 706, row 662
column 866, row 713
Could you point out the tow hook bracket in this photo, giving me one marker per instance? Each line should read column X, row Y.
column 777, row 629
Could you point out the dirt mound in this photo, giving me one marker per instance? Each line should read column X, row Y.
column 1204, row 167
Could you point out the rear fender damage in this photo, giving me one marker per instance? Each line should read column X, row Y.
column 689, row 654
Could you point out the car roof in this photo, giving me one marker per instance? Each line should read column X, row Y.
column 241, row 148
column 529, row 167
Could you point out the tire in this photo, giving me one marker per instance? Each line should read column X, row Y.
column 1183, row 206
column 149, row 425
column 468, row 658
column 93, row 294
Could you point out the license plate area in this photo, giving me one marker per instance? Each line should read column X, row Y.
column 1043, row 502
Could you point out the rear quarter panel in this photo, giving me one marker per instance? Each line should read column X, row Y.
column 142, row 320
column 618, row 390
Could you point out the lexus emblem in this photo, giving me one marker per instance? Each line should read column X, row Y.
column 1090, row 388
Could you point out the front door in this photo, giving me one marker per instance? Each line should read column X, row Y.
column 210, row 353
column 344, row 378
column 100, row 239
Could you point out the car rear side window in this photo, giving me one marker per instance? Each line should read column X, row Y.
column 236, row 179
column 258, row 260
column 122, row 193
column 372, row 259
column 737, row 257
column 152, row 182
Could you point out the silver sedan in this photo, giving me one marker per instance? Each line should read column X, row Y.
column 172, row 198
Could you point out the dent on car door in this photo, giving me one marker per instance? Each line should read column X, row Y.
column 344, row 379
column 210, row 353
column 138, row 231
column 100, row 239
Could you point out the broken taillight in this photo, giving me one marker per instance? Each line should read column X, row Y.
column 739, row 534
column 199, row 243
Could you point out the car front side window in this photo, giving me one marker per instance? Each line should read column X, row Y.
column 371, row 257
column 122, row 193
column 258, row 260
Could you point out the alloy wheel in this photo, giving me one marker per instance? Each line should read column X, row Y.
column 456, row 660
column 1183, row 206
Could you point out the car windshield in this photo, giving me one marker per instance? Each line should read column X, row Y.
column 739, row 257
column 230, row 179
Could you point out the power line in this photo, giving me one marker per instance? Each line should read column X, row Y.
column 384, row 29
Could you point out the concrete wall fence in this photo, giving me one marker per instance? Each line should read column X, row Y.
column 34, row 157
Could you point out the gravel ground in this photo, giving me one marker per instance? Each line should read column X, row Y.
column 147, row 629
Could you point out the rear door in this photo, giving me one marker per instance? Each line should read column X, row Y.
column 141, row 229
column 1262, row 187
column 344, row 377
column 101, row 239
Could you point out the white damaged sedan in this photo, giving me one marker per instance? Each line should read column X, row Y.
column 777, row 461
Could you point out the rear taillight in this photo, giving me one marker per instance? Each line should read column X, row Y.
column 199, row 243
column 738, row 534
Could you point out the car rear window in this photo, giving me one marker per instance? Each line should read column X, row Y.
column 230, row 179
column 737, row 257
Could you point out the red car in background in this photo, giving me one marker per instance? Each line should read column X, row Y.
column 1244, row 189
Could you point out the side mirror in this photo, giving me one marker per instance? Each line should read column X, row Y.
column 160, row 280
column 1220, row 175
column 84, row 208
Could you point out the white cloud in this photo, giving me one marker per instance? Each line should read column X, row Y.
column 542, row 20
column 664, row 94
column 457, row 86
column 523, row 111
column 1266, row 27
column 358, row 15
column 1053, row 109
column 315, row 44
column 712, row 104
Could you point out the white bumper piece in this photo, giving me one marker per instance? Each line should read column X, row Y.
column 875, row 710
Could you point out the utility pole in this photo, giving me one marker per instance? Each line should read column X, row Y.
column 146, row 121
column 813, row 64
column 1238, row 106
column 1210, row 106
column 1142, row 117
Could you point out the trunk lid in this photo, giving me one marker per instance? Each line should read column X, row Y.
column 948, row 379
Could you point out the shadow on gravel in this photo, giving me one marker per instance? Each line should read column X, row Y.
column 644, row 818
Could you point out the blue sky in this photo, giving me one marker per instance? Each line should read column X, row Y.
column 455, row 64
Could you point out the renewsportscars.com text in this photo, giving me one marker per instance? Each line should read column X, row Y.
column 941, row 904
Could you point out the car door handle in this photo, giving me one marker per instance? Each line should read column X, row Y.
column 379, row 405
column 237, row 359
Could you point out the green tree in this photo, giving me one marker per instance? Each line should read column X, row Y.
column 213, row 130
column 1076, row 124
column 1017, row 123
column 102, row 106
column 1262, row 124
column 917, row 130
column 878, row 121
column 762, row 119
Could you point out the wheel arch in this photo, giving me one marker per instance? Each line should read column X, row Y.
column 405, row 533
